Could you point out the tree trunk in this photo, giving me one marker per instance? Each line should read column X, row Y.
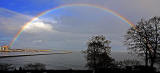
column 146, row 59
column 152, row 63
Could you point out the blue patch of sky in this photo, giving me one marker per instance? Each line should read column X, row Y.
column 30, row 7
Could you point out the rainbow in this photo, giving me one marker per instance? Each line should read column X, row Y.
column 64, row 6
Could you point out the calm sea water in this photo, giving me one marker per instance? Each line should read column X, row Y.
column 75, row 60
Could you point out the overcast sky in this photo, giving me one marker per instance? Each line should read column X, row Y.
column 69, row 28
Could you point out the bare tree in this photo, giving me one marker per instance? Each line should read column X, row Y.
column 144, row 39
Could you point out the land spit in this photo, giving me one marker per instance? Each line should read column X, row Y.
column 64, row 52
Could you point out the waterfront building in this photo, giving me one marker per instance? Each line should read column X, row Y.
column 4, row 48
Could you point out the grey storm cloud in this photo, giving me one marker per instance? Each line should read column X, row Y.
column 131, row 9
column 74, row 29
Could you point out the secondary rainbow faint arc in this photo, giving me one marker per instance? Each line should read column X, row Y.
column 64, row 6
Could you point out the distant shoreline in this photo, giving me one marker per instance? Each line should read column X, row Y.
column 65, row 52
